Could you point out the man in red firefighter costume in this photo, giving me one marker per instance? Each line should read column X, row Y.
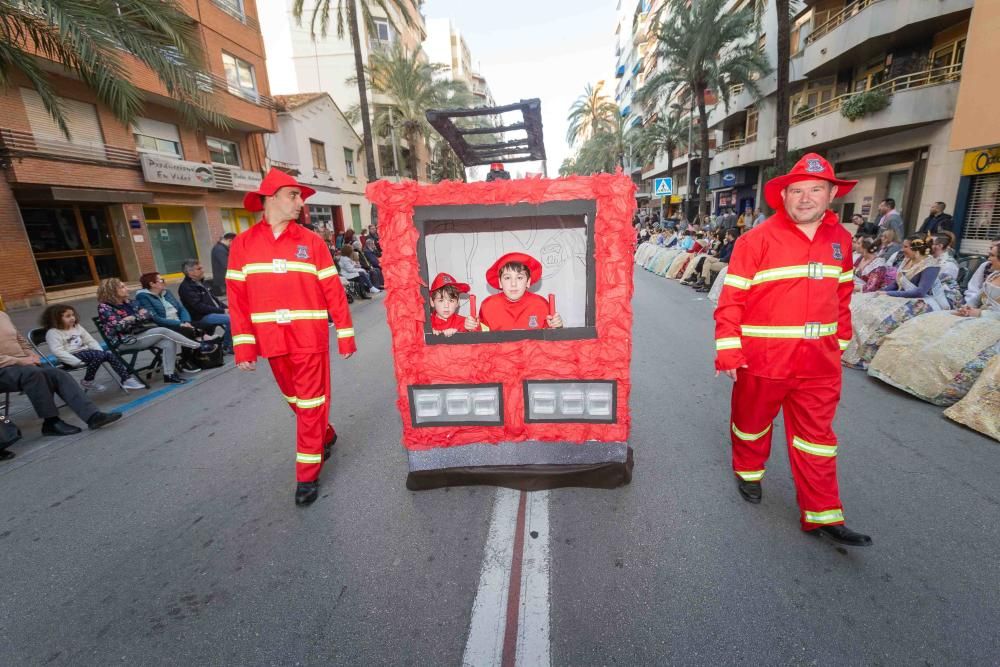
column 783, row 320
column 282, row 286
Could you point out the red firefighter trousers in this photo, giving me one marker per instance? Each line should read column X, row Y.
column 809, row 405
column 304, row 380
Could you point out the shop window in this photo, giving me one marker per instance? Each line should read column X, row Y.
column 72, row 245
column 349, row 161
column 318, row 151
column 240, row 76
column 223, row 152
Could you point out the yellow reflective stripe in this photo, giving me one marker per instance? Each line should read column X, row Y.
column 799, row 271
column 300, row 457
column 847, row 276
column 737, row 281
column 345, row 333
column 268, row 267
column 290, row 399
column 233, row 274
column 244, row 339
column 750, row 437
column 843, row 344
column 290, row 315
column 327, row 272
column 829, row 516
column 813, row 448
column 801, row 331
column 727, row 343
column 311, row 402
column 751, row 475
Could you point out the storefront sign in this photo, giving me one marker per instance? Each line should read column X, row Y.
column 984, row 161
column 728, row 178
column 156, row 169
column 866, row 207
column 245, row 181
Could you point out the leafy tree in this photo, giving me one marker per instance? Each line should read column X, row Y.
column 604, row 152
column 347, row 17
column 592, row 113
column 95, row 39
column 663, row 136
column 705, row 47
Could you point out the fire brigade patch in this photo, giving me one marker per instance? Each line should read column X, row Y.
column 837, row 254
column 302, row 252
column 814, row 166
column 533, row 322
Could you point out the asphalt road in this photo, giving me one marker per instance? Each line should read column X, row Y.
column 172, row 538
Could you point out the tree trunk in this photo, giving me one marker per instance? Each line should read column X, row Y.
column 705, row 157
column 784, row 55
column 412, row 163
column 359, row 67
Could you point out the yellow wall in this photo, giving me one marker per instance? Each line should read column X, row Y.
column 979, row 95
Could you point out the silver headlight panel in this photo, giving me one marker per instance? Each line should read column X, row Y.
column 570, row 401
column 458, row 405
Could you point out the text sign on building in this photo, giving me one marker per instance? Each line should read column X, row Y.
column 245, row 181
column 156, row 169
column 663, row 187
column 984, row 161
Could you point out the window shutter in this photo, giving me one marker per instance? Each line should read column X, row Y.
column 982, row 217
column 81, row 118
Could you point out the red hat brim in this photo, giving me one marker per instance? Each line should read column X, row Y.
column 534, row 266
column 773, row 188
column 272, row 182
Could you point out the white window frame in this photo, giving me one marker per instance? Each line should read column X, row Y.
column 237, row 88
column 235, row 146
column 349, row 161
column 161, row 135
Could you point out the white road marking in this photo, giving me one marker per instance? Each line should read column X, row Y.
column 484, row 646
column 533, row 619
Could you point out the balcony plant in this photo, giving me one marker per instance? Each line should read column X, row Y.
column 865, row 102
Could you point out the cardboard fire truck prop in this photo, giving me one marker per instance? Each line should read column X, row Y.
column 534, row 408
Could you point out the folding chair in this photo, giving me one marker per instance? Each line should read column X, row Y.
column 351, row 287
column 36, row 337
column 131, row 357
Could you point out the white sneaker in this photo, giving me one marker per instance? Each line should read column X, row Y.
column 374, row 290
column 133, row 383
column 90, row 385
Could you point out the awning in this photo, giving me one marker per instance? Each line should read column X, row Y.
column 56, row 194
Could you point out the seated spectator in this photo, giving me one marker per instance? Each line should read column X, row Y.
column 128, row 328
column 937, row 222
column 864, row 228
column 73, row 346
column 352, row 271
column 718, row 262
column 207, row 312
column 891, row 250
column 990, row 294
column 166, row 311
column 374, row 274
column 372, row 254
column 373, row 235
column 941, row 249
column 22, row 370
column 974, row 290
column 870, row 271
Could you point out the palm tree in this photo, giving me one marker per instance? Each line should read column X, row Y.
column 95, row 39
column 347, row 16
column 706, row 48
column 665, row 135
column 410, row 84
column 591, row 114
column 604, row 152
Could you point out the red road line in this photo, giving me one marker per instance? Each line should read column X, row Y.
column 514, row 591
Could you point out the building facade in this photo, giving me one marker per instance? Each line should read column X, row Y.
column 118, row 201
column 317, row 145
column 446, row 48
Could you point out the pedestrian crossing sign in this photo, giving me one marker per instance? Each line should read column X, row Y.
column 663, row 187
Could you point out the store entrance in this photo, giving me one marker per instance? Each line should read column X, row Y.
column 73, row 245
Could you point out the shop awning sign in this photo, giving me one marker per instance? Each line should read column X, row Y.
column 245, row 181
column 157, row 169
column 983, row 161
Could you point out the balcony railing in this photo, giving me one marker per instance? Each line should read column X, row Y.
column 838, row 19
column 736, row 143
column 17, row 143
column 233, row 9
column 216, row 82
column 923, row 79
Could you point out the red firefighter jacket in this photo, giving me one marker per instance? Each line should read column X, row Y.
column 784, row 310
column 280, row 293
column 500, row 314
column 456, row 321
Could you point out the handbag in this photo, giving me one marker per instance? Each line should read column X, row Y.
column 9, row 432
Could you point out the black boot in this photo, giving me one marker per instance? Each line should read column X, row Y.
column 843, row 535
column 328, row 445
column 752, row 492
column 306, row 493
column 100, row 419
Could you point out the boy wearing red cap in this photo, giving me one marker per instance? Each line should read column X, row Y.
column 282, row 287
column 445, row 320
column 515, row 307
column 782, row 322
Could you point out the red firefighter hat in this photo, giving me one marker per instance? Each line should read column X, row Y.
column 534, row 266
column 273, row 181
column 811, row 166
column 442, row 279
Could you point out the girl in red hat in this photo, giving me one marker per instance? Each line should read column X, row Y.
column 445, row 320
column 515, row 307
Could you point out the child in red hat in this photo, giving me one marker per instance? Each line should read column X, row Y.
column 515, row 307
column 445, row 320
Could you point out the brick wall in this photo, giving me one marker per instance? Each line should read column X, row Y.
column 20, row 284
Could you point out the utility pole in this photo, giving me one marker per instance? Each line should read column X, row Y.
column 690, row 185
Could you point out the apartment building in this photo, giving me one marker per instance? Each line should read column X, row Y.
column 316, row 144
column 446, row 47
column 298, row 62
column 874, row 87
column 119, row 201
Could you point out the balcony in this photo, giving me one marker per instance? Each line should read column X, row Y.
column 863, row 29
column 19, row 144
column 233, row 8
column 915, row 99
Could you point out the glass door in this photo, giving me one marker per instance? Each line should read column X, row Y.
column 73, row 245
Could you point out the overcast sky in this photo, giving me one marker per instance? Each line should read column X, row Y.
column 537, row 48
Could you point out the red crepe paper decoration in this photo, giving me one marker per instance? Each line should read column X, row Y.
column 606, row 357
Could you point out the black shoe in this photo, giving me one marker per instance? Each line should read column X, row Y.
column 350, row 299
column 59, row 427
column 363, row 297
column 328, row 445
column 752, row 492
column 704, row 289
column 188, row 367
column 306, row 493
column 174, row 379
column 6, row 455
column 103, row 419
column 843, row 535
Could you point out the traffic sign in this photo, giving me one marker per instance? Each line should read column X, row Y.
column 663, row 187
